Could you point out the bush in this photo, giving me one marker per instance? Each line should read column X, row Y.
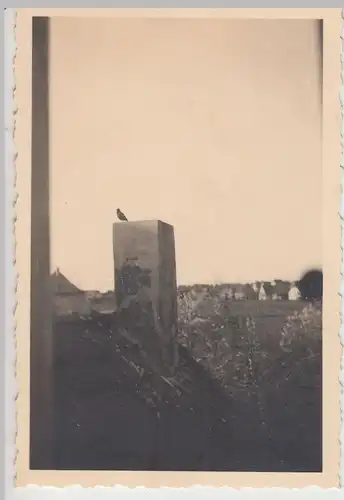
column 256, row 361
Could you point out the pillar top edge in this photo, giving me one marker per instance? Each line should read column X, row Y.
column 138, row 222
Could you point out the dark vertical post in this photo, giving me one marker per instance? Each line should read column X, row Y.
column 320, row 49
column 41, row 338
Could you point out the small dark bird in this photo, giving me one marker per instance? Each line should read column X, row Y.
column 121, row 215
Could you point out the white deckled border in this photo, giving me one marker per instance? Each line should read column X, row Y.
column 9, row 238
column 341, row 437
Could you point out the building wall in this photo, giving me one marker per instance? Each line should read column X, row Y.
column 68, row 304
column 294, row 293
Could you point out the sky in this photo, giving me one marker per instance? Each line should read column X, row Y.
column 213, row 126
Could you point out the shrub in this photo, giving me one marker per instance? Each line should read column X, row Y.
column 257, row 366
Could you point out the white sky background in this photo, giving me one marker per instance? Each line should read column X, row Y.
column 213, row 126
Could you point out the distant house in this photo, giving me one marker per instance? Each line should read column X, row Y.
column 262, row 293
column 106, row 304
column 294, row 292
column 239, row 292
column 93, row 295
column 265, row 291
column 68, row 299
column 251, row 291
column 62, row 286
column 269, row 290
column 102, row 303
column 281, row 290
column 182, row 289
column 275, row 295
column 226, row 292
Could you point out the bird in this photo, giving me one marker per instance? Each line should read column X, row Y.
column 121, row 215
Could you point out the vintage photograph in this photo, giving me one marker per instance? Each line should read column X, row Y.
column 176, row 244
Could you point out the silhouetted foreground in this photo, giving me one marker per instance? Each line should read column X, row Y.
column 113, row 412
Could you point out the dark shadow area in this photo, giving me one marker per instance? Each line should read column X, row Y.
column 115, row 412
column 311, row 285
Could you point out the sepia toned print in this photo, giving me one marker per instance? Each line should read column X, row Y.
column 178, row 269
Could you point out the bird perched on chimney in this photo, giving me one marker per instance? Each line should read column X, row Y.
column 121, row 215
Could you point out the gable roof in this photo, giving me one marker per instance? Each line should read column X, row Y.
column 269, row 289
column 238, row 288
column 249, row 291
column 62, row 285
column 282, row 287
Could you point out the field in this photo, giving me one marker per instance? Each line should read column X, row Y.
column 246, row 396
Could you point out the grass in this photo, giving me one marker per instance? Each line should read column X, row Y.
column 247, row 394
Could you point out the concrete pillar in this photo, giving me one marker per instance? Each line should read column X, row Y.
column 146, row 288
column 41, row 339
